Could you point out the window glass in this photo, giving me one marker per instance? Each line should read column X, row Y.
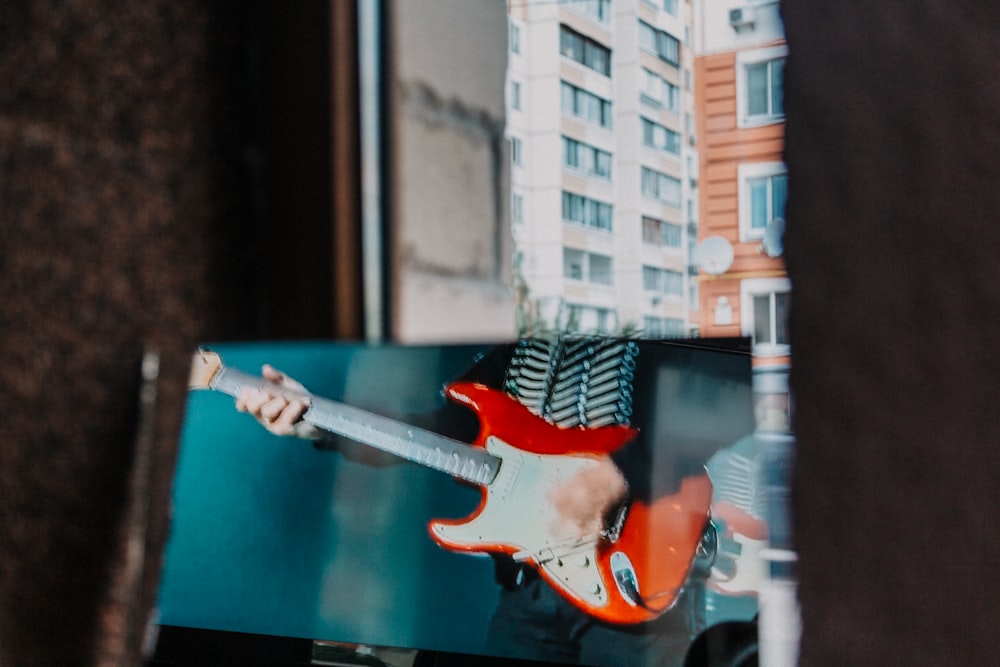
column 757, row 94
column 762, row 319
column 600, row 269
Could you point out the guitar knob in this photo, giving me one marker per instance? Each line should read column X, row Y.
column 583, row 561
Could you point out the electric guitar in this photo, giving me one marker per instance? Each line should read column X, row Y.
column 631, row 572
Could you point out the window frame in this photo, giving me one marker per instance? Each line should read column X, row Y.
column 661, row 281
column 658, row 195
column 663, row 227
column 585, row 51
column 586, row 273
column 591, row 211
column 745, row 60
column 581, row 104
column 650, row 128
column 661, row 41
column 516, row 90
column 595, row 157
column 755, row 287
column 667, row 96
column 752, row 172
column 660, row 327
column 585, row 7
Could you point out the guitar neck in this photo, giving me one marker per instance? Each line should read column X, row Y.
column 472, row 464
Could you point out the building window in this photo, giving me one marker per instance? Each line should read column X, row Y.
column 660, row 233
column 584, row 50
column 663, row 281
column 597, row 9
column 663, row 188
column 657, row 91
column 661, row 138
column 517, row 208
column 585, row 211
column 515, row 39
column 516, row 156
column 760, row 84
column 587, row 267
column 515, row 95
column 584, row 104
column 662, row 44
column 764, row 314
column 663, row 327
column 670, row 7
column 588, row 319
column 586, row 158
column 765, row 86
column 763, row 190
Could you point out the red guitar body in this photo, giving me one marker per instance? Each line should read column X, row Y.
column 630, row 573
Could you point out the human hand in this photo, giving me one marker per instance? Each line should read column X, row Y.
column 583, row 501
column 278, row 409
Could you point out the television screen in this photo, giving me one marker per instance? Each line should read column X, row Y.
column 444, row 497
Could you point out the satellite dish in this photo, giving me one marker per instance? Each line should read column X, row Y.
column 714, row 255
column 774, row 236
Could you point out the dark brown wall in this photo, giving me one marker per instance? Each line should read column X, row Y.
column 141, row 204
column 893, row 246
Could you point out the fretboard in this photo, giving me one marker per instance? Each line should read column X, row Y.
column 472, row 464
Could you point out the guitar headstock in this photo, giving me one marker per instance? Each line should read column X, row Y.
column 204, row 366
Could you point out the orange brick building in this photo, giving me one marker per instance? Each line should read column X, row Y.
column 743, row 288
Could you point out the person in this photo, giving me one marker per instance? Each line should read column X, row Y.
column 596, row 378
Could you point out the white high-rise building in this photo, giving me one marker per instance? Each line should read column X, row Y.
column 604, row 164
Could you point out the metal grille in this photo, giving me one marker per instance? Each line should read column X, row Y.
column 575, row 381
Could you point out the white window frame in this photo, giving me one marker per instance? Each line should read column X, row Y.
column 516, row 151
column 514, row 37
column 517, row 208
column 743, row 60
column 661, row 138
column 663, row 189
column 761, row 287
column 586, row 273
column 591, row 9
column 661, row 276
column 587, row 159
column 745, row 174
column 654, row 326
column 606, row 319
column 515, row 95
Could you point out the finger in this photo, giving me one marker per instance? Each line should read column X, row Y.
column 273, row 409
column 284, row 423
column 254, row 399
column 271, row 373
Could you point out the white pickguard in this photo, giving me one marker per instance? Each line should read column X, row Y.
column 518, row 514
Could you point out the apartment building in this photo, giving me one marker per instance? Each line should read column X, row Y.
column 604, row 193
column 739, row 65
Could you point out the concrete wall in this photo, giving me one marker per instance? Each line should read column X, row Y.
column 451, row 241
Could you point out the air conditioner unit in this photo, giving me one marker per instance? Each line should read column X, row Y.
column 741, row 17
